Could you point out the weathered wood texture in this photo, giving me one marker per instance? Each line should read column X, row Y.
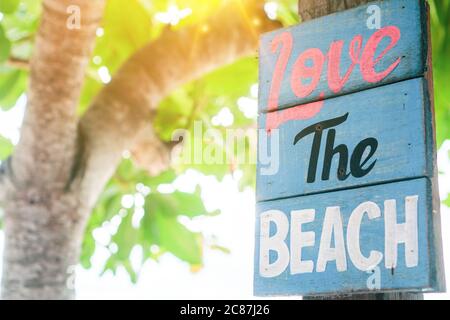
column 339, row 54
column 373, row 235
column 310, row 9
column 384, row 114
column 436, row 231
column 284, row 81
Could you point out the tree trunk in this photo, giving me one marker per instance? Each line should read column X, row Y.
column 43, row 222
column 43, row 235
column 61, row 164
column 312, row 9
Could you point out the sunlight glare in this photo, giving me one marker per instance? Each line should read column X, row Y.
column 104, row 74
column 224, row 118
column 173, row 15
column 271, row 9
column 248, row 106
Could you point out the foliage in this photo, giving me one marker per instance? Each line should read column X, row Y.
column 132, row 210
column 148, row 219
column 440, row 23
column 17, row 29
column 6, row 148
column 447, row 202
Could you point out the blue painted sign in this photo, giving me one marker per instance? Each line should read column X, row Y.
column 339, row 54
column 347, row 181
column 357, row 139
column 346, row 241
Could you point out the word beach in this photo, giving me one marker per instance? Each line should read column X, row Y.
column 337, row 245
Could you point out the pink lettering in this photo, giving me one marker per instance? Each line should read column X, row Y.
column 368, row 60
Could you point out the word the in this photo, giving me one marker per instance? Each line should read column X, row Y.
column 357, row 163
column 334, row 245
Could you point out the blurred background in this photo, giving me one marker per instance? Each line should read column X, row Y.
column 186, row 233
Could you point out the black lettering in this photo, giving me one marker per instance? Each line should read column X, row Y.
column 330, row 151
column 317, row 129
column 357, row 164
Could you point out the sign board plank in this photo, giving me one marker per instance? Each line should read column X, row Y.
column 338, row 54
column 347, row 241
column 384, row 129
column 347, row 191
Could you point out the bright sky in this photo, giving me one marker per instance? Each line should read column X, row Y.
column 225, row 276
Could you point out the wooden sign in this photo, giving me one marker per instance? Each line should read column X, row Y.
column 346, row 185
column 369, row 137
column 339, row 54
column 334, row 242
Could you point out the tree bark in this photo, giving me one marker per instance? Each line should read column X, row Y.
column 58, row 170
column 312, row 9
column 44, row 220
column 48, row 141
column 43, row 236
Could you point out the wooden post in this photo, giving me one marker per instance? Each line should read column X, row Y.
column 311, row 9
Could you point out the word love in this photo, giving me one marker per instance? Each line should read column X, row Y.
column 306, row 73
column 335, row 244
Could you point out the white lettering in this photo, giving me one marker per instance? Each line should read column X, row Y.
column 275, row 243
column 333, row 246
column 406, row 233
column 332, row 225
column 301, row 240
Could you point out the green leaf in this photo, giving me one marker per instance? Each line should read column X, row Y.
column 190, row 205
column 160, row 225
column 447, row 202
column 108, row 206
column 177, row 239
column 5, row 45
column 6, row 148
column 1, row 218
column 221, row 249
column 9, row 6
column 127, row 27
column 22, row 25
column 125, row 238
column 166, row 177
column 87, row 251
column 440, row 27
column 90, row 89
column 110, row 265
column 287, row 12
column 176, row 204
column 12, row 86
column 223, row 82
column 131, row 272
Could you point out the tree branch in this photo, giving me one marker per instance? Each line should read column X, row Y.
column 45, row 153
column 129, row 102
column 18, row 63
column 150, row 153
